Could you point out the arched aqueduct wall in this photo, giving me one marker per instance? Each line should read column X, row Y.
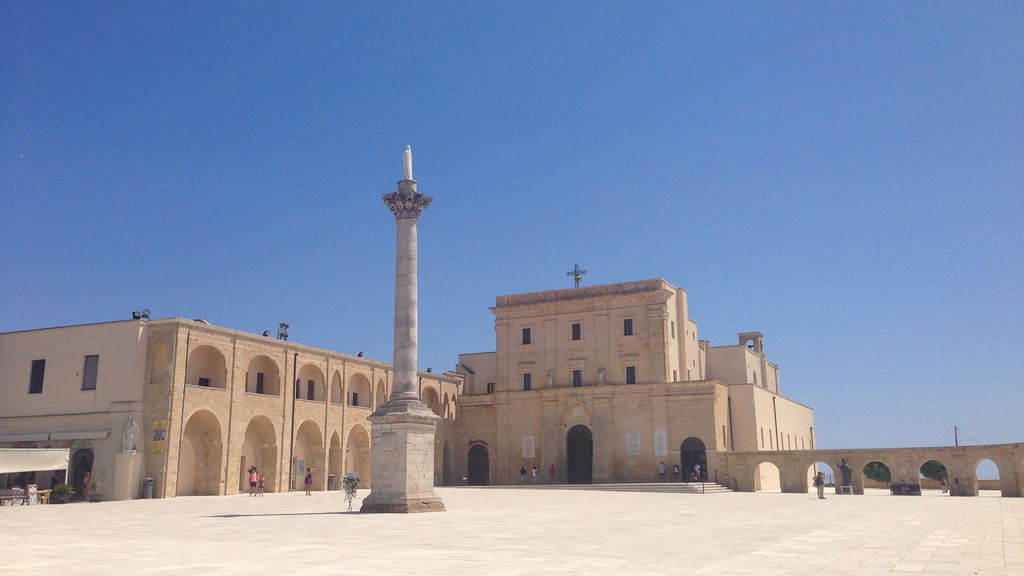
column 737, row 469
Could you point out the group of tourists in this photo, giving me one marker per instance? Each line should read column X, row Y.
column 551, row 474
column 694, row 475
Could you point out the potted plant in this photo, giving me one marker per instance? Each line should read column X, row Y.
column 94, row 491
column 61, row 493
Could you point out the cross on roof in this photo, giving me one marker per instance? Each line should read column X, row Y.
column 577, row 274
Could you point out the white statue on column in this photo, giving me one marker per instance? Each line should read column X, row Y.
column 407, row 162
column 131, row 432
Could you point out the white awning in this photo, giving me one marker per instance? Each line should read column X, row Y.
column 45, row 436
column 33, row 459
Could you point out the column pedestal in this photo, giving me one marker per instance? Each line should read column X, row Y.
column 402, row 459
column 127, row 476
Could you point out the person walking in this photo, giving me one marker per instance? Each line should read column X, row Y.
column 551, row 471
column 309, row 481
column 534, row 474
column 522, row 474
column 661, row 471
column 819, row 483
column 675, row 471
column 253, row 477
column 259, row 488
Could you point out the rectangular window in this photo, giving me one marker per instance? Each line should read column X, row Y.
column 673, row 325
column 526, row 336
column 298, row 388
column 259, row 382
column 204, row 382
column 630, row 374
column 527, row 381
column 35, row 384
column 577, row 378
column 490, row 387
column 577, row 332
column 92, row 368
column 355, row 399
column 310, row 389
column 627, row 327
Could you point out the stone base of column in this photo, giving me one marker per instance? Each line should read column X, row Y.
column 402, row 459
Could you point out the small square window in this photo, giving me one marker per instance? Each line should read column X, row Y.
column 92, row 366
column 35, row 383
column 627, row 327
column 577, row 332
column 527, row 381
column 204, row 382
column 630, row 374
column 526, row 336
column 577, row 378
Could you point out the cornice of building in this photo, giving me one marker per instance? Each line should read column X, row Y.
column 652, row 286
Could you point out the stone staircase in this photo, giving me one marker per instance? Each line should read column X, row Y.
column 667, row 487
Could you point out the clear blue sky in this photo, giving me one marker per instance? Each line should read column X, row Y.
column 844, row 177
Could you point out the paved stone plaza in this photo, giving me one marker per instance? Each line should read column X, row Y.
column 522, row 531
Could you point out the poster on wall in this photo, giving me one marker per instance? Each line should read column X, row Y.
column 159, row 442
column 633, row 443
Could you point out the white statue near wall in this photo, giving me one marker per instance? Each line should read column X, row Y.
column 131, row 433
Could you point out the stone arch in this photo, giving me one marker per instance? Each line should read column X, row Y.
column 986, row 466
column 359, row 391
column 381, row 394
column 259, row 448
column 579, row 450
column 832, row 478
column 263, row 377
column 933, row 467
column 310, row 385
column 478, row 472
column 357, row 454
column 199, row 467
column 335, row 460
column 767, row 477
column 882, row 470
column 693, row 453
column 158, row 372
column 206, row 367
column 308, row 451
column 337, row 392
column 429, row 397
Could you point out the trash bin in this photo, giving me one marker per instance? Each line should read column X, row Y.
column 147, row 488
column 330, row 481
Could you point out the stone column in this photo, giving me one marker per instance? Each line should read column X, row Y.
column 402, row 443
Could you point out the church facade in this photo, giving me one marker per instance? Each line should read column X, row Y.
column 606, row 383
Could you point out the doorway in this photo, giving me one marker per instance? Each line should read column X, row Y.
column 478, row 468
column 579, row 449
column 692, row 453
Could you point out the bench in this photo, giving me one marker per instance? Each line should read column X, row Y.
column 905, row 489
column 12, row 495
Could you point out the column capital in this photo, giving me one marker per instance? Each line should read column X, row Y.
column 406, row 202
